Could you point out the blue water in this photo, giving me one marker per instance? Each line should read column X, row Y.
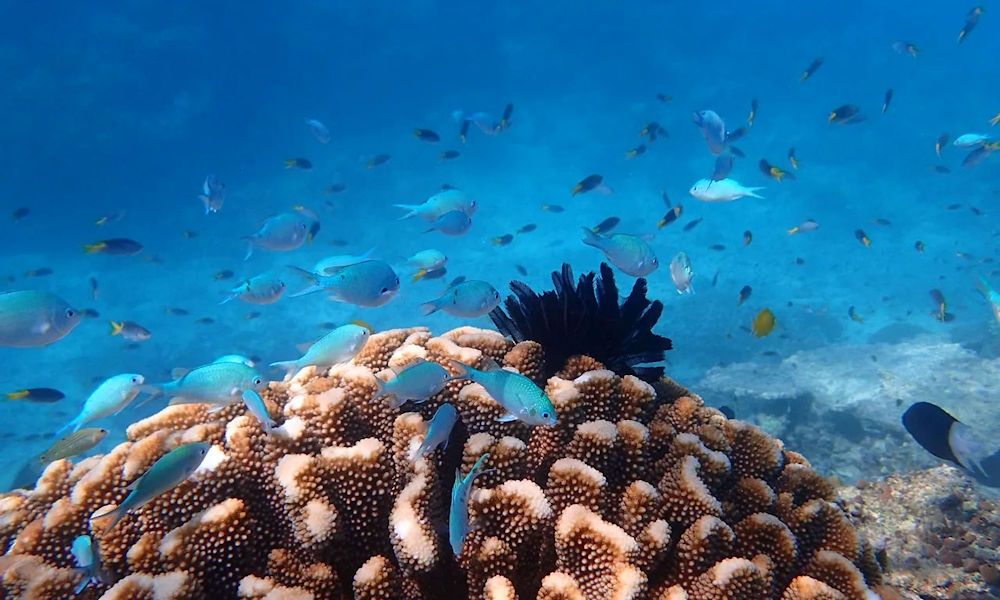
column 129, row 107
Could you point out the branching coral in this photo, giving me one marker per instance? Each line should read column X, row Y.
column 633, row 494
column 585, row 319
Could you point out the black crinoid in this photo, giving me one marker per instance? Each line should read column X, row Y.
column 584, row 319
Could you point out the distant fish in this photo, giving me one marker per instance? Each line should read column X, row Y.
column 753, row 113
column 280, row 233
column 606, row 225
column 887, row 100
column 591, row 183
column 712, row 128
column 503, row 240
column 266, row 288
column 744, row 294
column 681, row 273
column 505, row 116
column 811, row 69
column 919, row 246
column 848, row 114
column 774, row 172
column 35, row 318
column 45, row 395
column 521, row 270
column 940, row 169
column 665, row 98
column 747, row 237
column 971, row 20
column 693, row 224
column 724, row 190
column 903, row 47
column 110, row 397
column 334, row 188
column 302, row 164
column 992, row 296
column 223, row 275
column 630, row 253
column 378, row 159
column 114, row 247
column 637, row 151
column 426, row 135
column 40, row 272
column 804, row 227
column 863, row 237
column 792, row 158
column 20, row 213
column 440, row 203
column 763, row 324
column 319, row 130
column 176, row 311
column 717, row 247
column 941, row 142
column 449, row 155
column 213, row 194
column 553, row 208
column 853, row 314
column 130, row 330
column 672, row 215
column 452, row 223
column 468, row 299
column 527, row 228
column 111, row 217
column 940, row 306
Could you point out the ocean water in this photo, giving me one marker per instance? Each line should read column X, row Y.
column 127, row 107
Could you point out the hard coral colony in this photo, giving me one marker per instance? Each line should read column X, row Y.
column 638, row 491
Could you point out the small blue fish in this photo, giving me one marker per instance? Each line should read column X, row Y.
column 88, row 561
column 339, row 346
column 453, row 223
column 417, row 382
column 319, row 130
column 370, row 283
column 471, row 298
column 172, row 469
column 520, row 397
column 458, row 515
column 35, row 318
column 255, row 404
column 440, row 203
column 266, row 288
column 438, row 431
column 630, row 253
column 214, row 194
column 281, row 233
column 215, row 383
column 330, row 264
column 113, row 395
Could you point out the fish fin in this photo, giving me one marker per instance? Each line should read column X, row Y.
column 75, row 424
column 16, row 395
column 419, row 275
column 85, row 581
column 116, row 328
column 115, row 514
column 464, row 370
column 216, row 409
column 308, row 276
column 489, row 364
column 93, row 248
column 429, row 307
column 207, row 202
column 413, row 208
column 506, row 418
column 752, row 192
column 591, row 238
column 249, row 241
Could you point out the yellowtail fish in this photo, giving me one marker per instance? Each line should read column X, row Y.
column 763, row 324
column 774, row 171
column 637, row 151
column 503, row 240
column 426, row 135
column 335, row 188
column 863, row 237
column 753, row 113
column 168, row 472
column 804, row 226
column 942, row 141
column 303, row 164
column 41, row 394
column 811, row 69
column 589, row 183
column 672, row 215
column 73, row 444
column 114, row 247
column 606, row 225
column 846, row 115
column 940, row 306
column 130, row 330
column 553, row 208
column 853, row 314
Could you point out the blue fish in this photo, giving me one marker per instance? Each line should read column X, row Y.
column 113, row 395
column 472, row 298
column 35, row 318
column 417, row 382
column 88, row 561
column 453, row 222
column 458, row 515
column 281, row 233
column 438, row 431
column 520, row 397
column 370, row 283
column 255, row 404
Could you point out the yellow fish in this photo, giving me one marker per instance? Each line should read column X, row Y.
column 763, row 323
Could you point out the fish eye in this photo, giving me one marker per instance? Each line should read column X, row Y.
column 257, row 381
column 385, row 289
column 545, row 415
column 70, row 313
column 135, row 380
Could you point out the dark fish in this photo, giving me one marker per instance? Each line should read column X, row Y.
column 979, row 154
column 223, row 274
column 447, row 186
column 715, row 278
column 205, row 321
column 727, row 412
column 521, row 270
column 692, row 224
column 426, row 135
column 919, row 246
column 327, row 325
column 953, row 207
column 435, row 274
column 606, row 225
column 773, row 171
column 463, row 134
column 553, row 208
column 314, row 228
column 888, row 99
column 940, row 306
column 505, row 118
column 672, row 215
column 638, row 150
column 723, row 166
column 971, row 20
column 449, row 155
column 527, row 228
column 650, row 129
column 949, row 439
column 45, row 395
column 745, row 292
column 736, row 135
column 94, row 290
column 747, row 237
column 337, row 243
column 335, row 188
column 976, row 211
column 664, row 98
column 114, row 247
column 177, row 312
column 90, row 313
column 799, row 260
column 792, row 159
column 379, row 159
column 853, row 314
column 40, row 272
column 862, row 237
column 753, row 113
column 250, row 316
column 190, row 235
column 298, row 163
column 503, row 240
column 943, row 170
column 942, row 141
column 666, row 199
column 587, row 184
column 717, row 247
column 737, row 152
column 20, row 213
column 845, row 115
column 112, row 217
column 811, row 69
column 881, row 221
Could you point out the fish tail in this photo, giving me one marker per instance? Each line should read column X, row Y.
column 116, row 328
column 115, row 514
column 15, row 395
column 429, row 307
column 590, row 238
column 86, row 575
column 419, row 275
column 249, row 241
column 464, row 371
column 74, row 425
column 793, row 231
column 288, row 365
column 154, row 390
column 309, row 276
column 93, row 248
column 413, row 208
column 752, row 192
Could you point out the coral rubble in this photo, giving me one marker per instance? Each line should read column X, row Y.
column 638, row 492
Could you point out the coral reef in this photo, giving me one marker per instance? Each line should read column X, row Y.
column 586, row 319
column 936, row 530
column 638, row 492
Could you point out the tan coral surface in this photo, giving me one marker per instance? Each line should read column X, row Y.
column 636, row 493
